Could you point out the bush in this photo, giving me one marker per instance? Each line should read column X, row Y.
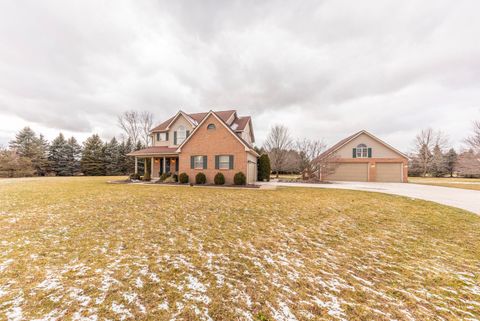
column 264, row 168
column 239, row 179
column 183, row 178
column 135, row 176
column 164, row 176
column 147, row 177
column 175, row 178
column 219, row 179
column 200, row 178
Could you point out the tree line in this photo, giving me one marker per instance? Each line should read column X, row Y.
column 432, row 155
column 30, row 154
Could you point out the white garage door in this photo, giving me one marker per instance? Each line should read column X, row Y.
column 357, row 172
column 252, row 173
column 389, row 172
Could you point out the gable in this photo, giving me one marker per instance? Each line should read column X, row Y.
column 379, row 149
column 221, row 138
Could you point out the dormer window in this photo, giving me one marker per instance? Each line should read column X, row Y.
column 362, row 151
column 211, row 126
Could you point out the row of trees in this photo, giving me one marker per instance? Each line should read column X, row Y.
column 30, row 154
column 433, row 156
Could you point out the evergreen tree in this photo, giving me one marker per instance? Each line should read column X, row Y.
column 92, row 162
column 58, row 156
column 74, row 153
column 141, row 162
column 439, row 166
column 451, row 161
column 27, row 144
column 129, row 161
column 41, row 163
column 264, row 168
column 113, row 167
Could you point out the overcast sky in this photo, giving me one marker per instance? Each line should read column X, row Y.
column 323, row 68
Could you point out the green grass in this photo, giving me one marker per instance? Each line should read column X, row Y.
column 72, row 247
column 464, row 183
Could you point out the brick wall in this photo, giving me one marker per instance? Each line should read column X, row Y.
column 210, row 143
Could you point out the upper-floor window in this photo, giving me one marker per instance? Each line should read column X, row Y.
column 161, row 137
column 181, row 134
column 362, row 151
column 211, row 126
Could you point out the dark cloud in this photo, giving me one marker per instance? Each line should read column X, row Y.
column 324, row 68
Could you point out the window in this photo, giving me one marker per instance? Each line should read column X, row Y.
column 198, row 162
column 362, row 151
column 161, row 137
column 224, row 162
column 181, row 134
column 211, row 126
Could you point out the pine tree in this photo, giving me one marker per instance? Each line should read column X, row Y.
column 92, row 162
column 74, row 153
column 113, row 167
column 141, row 163
column 439, row 166
column 451, row 161
column 27, row 144
column 57, row 156
column 129, row 161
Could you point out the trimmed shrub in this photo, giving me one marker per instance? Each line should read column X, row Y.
column 219, row 179
column 135, row 176
column 200, row 178
column 240, row 179
column 183, row 178
column 175, row 178
column 164, row 176
column 264, row 168
column 147, row 177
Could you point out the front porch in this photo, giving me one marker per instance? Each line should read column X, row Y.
column 158, row 165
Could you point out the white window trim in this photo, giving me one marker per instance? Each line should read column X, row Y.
column 198, row 160
column 224, row 163
column 362, row 151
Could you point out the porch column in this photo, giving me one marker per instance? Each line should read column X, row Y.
column 136, row 165
column 151, row 168
column 164, row 164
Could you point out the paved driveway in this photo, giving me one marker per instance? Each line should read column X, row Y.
column 462, row 198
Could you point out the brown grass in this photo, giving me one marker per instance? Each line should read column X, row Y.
column 454, row 182
column 78, row 247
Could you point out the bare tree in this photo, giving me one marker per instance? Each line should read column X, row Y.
column 277, row 145
column 468, row 164
column 425, row 142
column 308, row 150
column 146, row 123
column 129, row 123
column 474, row 140
column 137, row 125
column 325, row 165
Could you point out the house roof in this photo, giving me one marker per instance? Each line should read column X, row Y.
column 195, row 118
column 348, row 139
column 153, row 150
column 248, row 146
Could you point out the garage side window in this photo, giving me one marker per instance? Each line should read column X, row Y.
column 362, row 151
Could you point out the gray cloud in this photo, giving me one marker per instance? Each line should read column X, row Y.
column 324, row 68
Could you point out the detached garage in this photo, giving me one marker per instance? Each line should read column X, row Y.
column 363, row 157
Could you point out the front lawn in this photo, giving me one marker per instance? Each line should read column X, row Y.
column 465, row 183
column 78, row 247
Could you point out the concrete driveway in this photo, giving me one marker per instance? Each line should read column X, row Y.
column 462, row 198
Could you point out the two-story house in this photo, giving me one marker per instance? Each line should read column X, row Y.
column 209, row 142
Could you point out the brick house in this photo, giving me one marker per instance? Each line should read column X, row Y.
column 209, row 142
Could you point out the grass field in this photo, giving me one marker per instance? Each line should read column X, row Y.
column 81, row 249
column 465, row 183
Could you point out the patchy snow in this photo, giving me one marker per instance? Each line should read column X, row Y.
column 122, row 311
column 163, row 305
column 53, row 315
column 5, row 264
column 139, row 283
column 15, row 312
column 283, row 313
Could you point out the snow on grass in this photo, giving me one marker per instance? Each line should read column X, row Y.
column 115, row 252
